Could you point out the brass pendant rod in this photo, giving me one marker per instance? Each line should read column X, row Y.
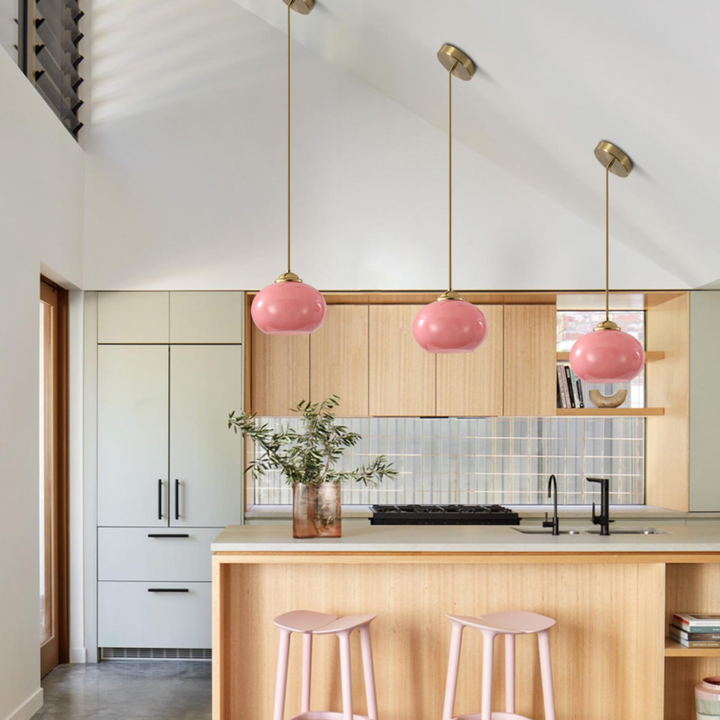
column 450, row 75
column 607, row 240
column 290, row 4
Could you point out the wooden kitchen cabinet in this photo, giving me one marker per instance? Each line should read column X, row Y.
column 471, row 384
column 530, row 360
column 339, row 359
column 280, row 372
column 402, row 374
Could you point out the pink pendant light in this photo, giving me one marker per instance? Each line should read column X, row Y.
column 451, row 325
column 289, row 306
column 607, row 354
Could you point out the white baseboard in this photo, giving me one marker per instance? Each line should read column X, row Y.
column 29, row 707
column 78, row 656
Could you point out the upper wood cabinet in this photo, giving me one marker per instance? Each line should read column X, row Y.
column 280, row 372
column 339, row 359
column 530, row 360
column 133, row 317
column 402, row 374
column 471, row 384
column 206, row 317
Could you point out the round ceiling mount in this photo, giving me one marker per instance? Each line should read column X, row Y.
column 606, row 152
column 450, row 56
column 304, row 7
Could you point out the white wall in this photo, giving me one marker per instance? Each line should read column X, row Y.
column 41, row 195
column 186, row 173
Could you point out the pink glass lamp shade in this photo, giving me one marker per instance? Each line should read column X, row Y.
column 607, row 356
column 450, row 326
column 288, row 307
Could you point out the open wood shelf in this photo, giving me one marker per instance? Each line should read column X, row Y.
column 610, row 412
column 675, row 649
column 650, row 356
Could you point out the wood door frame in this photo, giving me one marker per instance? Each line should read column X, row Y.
column 58, row 297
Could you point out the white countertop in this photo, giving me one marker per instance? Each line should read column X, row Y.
column 361, row 537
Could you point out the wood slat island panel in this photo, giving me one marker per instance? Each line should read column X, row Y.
column 599, row 663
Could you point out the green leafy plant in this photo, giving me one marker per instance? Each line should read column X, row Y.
column 309, row 457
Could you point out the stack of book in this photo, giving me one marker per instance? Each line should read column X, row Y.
column 692, row 630
column 569, row 388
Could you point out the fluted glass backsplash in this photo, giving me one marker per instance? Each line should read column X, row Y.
column 488, row 460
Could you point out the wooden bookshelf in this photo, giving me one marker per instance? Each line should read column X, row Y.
column 650, row 356
column 675, row 649
column 610, row 412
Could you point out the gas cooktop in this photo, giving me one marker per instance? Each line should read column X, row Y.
column 443, row 515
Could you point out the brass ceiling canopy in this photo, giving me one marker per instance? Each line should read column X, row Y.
column 609, row 154
column 456, row 61
column 304, row 7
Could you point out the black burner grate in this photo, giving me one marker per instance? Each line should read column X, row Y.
column 443, row 515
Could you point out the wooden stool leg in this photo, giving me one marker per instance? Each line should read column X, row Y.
column 546, row 672
column 306, row 671
column 487, row 684
column 452, row 674
column 346, row 672
column 369, row 672
column 510, row 673
column 282, row 673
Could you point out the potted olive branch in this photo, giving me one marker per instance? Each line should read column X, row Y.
column 307, row 459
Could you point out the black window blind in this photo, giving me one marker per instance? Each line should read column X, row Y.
column 49, row 36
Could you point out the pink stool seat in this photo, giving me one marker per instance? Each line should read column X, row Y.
column 510, row 624
column 303, row 621
column 310, row 624
column 514, row 622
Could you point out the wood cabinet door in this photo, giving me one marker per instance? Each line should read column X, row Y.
column 206, row 457
column 280, row 372
column 530, row 360
column 339, row 359
column 402, row 374
column 133, row 435
column 471, row 384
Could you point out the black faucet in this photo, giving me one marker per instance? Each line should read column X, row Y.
column 555, row 522
column 603, row 520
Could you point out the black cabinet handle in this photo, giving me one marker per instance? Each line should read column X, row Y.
column 168, row 535
column 177, row 499
column 160, row 499
column 183, row 590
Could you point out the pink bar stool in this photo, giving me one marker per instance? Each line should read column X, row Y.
column 314, row 623
column 508, row 624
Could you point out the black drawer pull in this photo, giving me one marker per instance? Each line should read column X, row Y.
column 168, row 590
column 170, row 535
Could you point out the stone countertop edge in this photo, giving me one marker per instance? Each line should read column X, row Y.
column 360, row 538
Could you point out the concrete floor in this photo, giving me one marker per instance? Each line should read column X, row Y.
column 128, row 690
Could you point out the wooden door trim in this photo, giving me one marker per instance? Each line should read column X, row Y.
column 61, row 469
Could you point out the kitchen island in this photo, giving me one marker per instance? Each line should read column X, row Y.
column 611, row 596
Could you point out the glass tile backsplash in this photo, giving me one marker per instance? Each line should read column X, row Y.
column 488, row 460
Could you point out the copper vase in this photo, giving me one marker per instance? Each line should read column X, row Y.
column 317, row 510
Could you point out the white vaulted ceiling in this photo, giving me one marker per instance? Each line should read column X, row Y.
column 555, row 77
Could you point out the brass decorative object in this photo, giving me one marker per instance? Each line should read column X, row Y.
column 613, row 401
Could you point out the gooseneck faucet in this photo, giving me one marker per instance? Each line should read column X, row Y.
column 555, row 522
column 603, row 520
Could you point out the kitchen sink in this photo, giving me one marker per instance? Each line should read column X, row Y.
column 593, row 531
column 545, row 531
column 631, row 531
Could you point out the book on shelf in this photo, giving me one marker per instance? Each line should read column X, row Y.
column 562, row 397
column 696, row 622
column 693, row 643
column 577, row 385
column 569, row 380
column 681, row 635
